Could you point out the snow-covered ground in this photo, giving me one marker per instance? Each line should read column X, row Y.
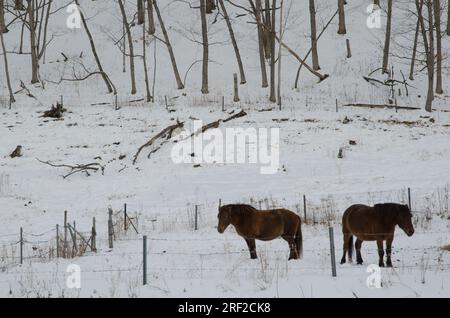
column 391, row 152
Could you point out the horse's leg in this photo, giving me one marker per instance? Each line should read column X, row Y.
column 389, row 250
column 252, row 248
column 345, row 248
column 380, row 253
column 292, row 246
column 358, row 244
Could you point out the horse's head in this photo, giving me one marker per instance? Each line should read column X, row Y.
column 224, row 217
column 404, row 219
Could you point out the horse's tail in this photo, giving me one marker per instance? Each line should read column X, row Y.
column 299, row 240
column 350, row 247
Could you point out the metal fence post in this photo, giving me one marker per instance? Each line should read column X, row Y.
column 144, row 256
column 332, row 252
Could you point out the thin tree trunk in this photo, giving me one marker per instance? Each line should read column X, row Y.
column 233, row 41
column 387, row 41
column 169, row 46
column 267, row 30
column 261, row 44
column 279, row 56
column 140, row 12
column 5, row 60
column 151, row 20
column 448, row 18
column 272, row 97
column 44, row 40
column 341, row 8
column 414, row 53
column 205, row 47
column 94, row 52
column 130, row 47
column 33, row 46
column 2, row 17
column 312, row 16
column 144, row 58
column 437, row 16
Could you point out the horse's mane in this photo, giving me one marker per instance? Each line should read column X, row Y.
column 388, row 207
column 241, row 208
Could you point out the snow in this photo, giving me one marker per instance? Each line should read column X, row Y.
column 394, row 150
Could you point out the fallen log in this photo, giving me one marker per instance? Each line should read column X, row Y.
column 166, row 132
column 95, row 166
column 382, row 106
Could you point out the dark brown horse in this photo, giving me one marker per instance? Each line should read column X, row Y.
column 267, row 225
column 375, row 223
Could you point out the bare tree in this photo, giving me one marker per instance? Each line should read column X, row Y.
column 437, row 15
column 3, row 28
column 140, row 12
column 312, row 16
column 5, row 61
column 387, row 40
column 259, row 24
column 414, row 52
column 448, row 18
column 144, row 59
column 105, row 77
column 169, row 46
column 130, row 46
column 151, row 21
column 33, row 45
column 279, row 55
column 233, row 41
column 205, row 47
column 272, row 96
column 428, row 41
column 341, row 8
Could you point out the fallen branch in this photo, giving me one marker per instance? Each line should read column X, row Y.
column 381, row 106
column 76, row 168
column 166, row 132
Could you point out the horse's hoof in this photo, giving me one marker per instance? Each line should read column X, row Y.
column 359, row 263
column 253, row 257
column 342, row 262
column 381, row 264
column 389, row 265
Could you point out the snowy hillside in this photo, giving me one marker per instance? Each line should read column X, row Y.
column 335, row 157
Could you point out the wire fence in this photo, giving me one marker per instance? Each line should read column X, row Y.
column 166, row 230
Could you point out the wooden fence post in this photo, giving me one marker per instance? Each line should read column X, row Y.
column 196, row 218
column 125, row 217
column 94, row 237
column 57, row 240
column 304, row 208
column 110, row 228
column 21, row 246
column 65, row 235
column 144, row 256
column 223, row 103
column 349, row 50
column 337, row 106
column 332, row 252
column 409, row 198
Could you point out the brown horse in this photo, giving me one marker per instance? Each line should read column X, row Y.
column 267, row 225
column 375, row 223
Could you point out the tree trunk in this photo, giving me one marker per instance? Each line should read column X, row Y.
column 261, row 44
column 144, row 58
column 279, row 55
column 5, row 60
column 267, row 30
column 448, row 18
column 312, row 16
column 140, row 12
column 272, row 96
column 18, row 5
column 414, row 53
column 169, row 46
column 429, row 49
column 151, row 20
column 437, row 15
column 2, row 17
column 205, row 47
column 94, row 52
column 130, row 47
column 233, row 41
column 33, row 46
column 342, row 28
column 387, row 41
